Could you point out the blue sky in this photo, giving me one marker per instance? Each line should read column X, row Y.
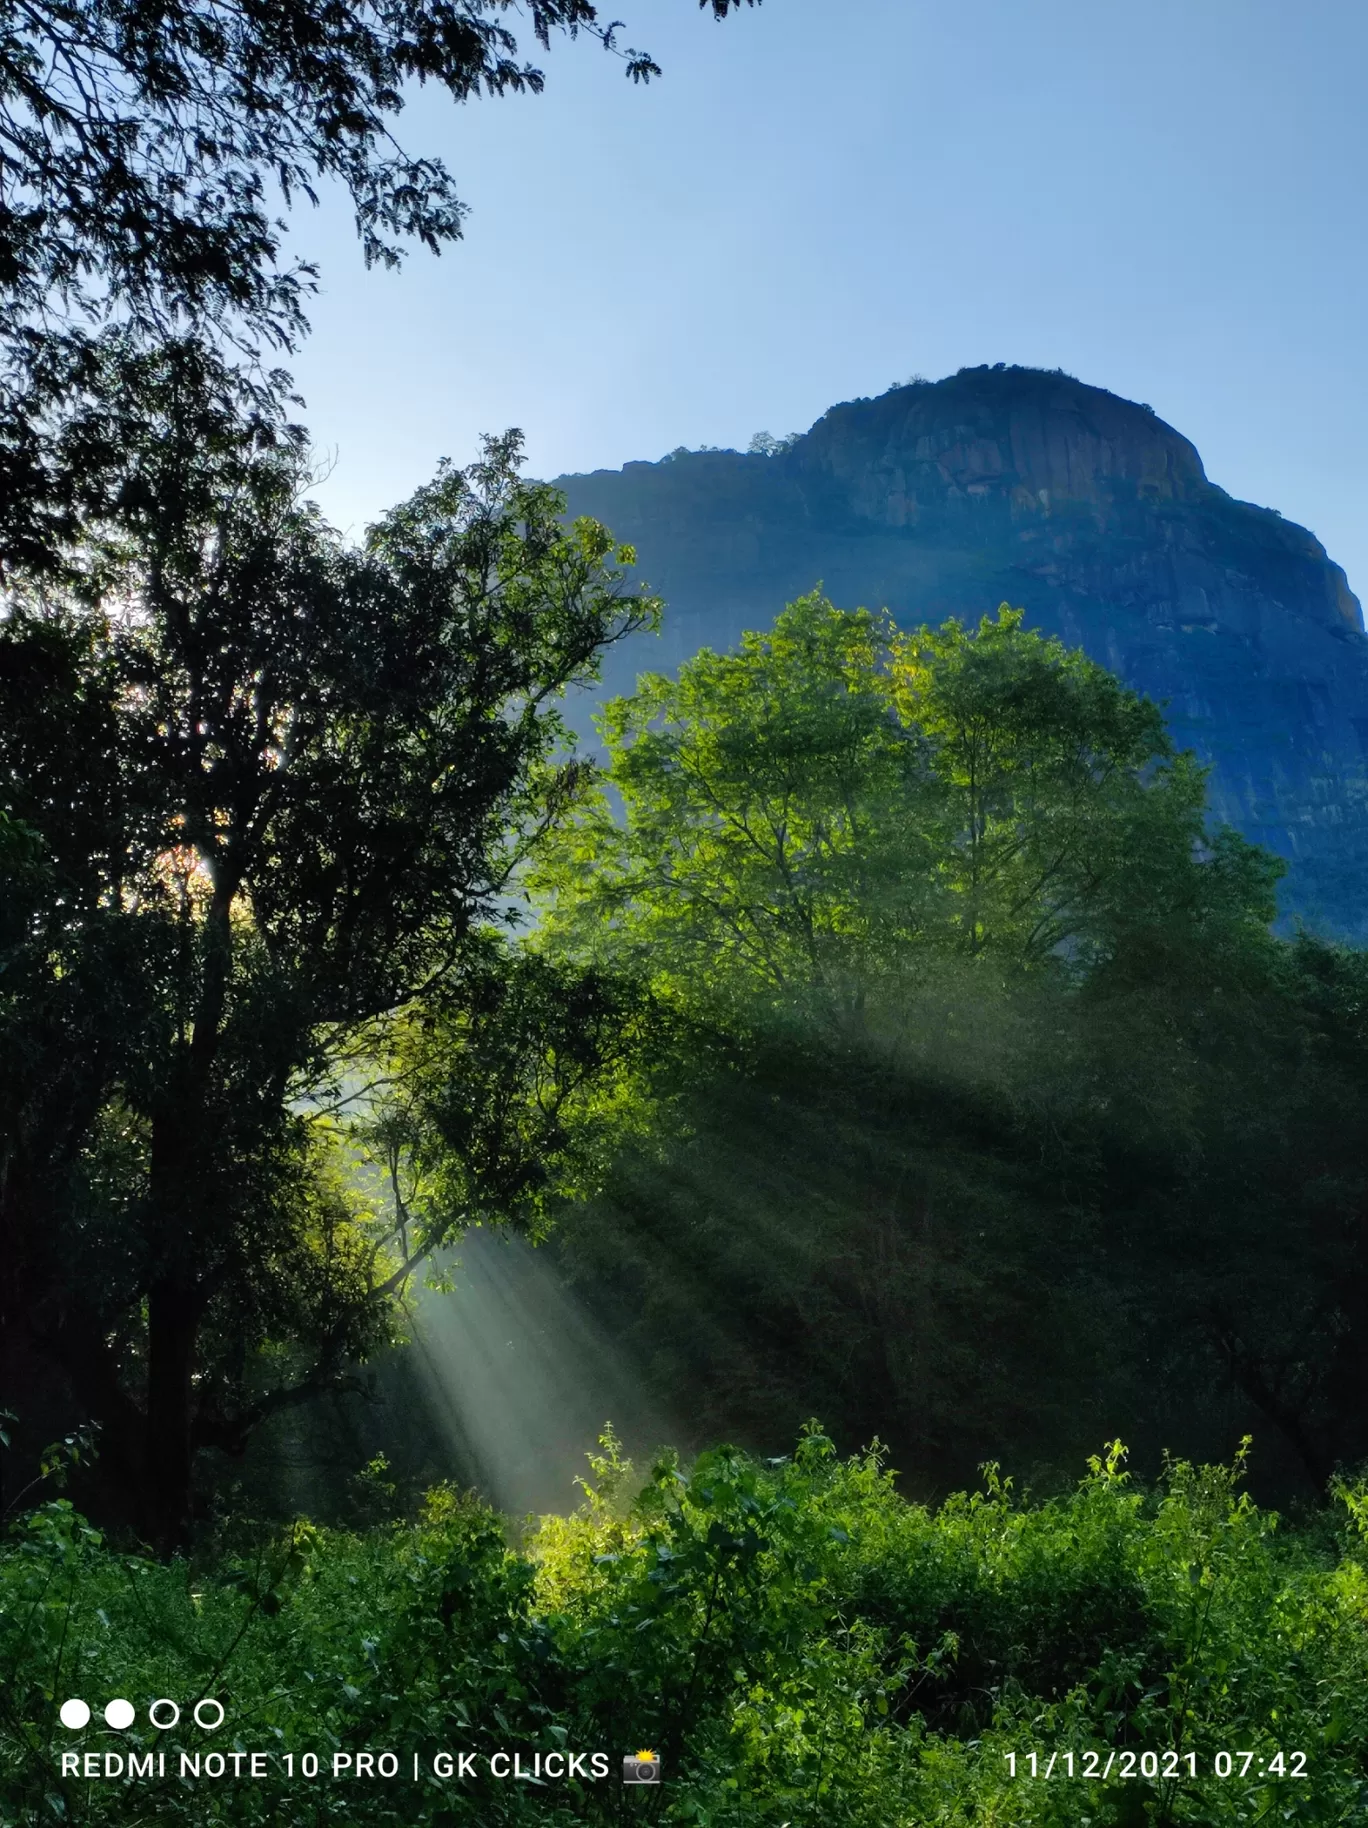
column 824, row 196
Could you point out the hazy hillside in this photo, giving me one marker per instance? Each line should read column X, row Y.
column 946, row 498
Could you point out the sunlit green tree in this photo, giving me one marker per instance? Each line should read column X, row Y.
column 1017, row 1121
column 836, row 799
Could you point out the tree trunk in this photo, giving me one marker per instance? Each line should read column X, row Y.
column 182, row 1205
column 173, row 1317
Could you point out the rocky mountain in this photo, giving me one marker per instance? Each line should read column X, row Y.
column 1011, row 484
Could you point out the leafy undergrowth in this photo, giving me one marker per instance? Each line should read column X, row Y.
column 796, row 1642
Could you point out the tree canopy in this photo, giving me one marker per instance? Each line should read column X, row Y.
column 265, row 790
column 836, row 798
column 1010, row 1117
column 150, row 156
column 145, row 149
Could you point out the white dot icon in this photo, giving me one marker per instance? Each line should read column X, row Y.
column 73, row 1714
column 119, row 1714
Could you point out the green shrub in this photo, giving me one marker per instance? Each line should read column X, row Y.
column 798, row 1643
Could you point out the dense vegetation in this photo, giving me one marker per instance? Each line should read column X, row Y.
column 264, row 792
column 888, row 1035
column 260, row 792
column 797, row 1643
column 1000, row 1119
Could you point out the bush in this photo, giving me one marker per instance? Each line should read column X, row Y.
column 798, row 1643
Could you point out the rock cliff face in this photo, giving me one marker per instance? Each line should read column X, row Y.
column 1096, row 517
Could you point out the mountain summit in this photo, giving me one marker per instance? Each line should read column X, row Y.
column 1013, row 484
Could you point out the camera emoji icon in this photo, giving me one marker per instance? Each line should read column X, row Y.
column 644, row 1768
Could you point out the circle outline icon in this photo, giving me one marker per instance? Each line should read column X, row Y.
column 164, row 1726
column 209, row 1701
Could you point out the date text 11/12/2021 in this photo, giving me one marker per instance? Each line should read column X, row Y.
column 1103, row 1767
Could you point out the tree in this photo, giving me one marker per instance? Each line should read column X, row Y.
column 494, row 1093
column 812, row 810
column 141, row 144
column 1069, row 810
column 771, row 804
column 1018, row 1123
column 274, row 789
column 146, row 152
